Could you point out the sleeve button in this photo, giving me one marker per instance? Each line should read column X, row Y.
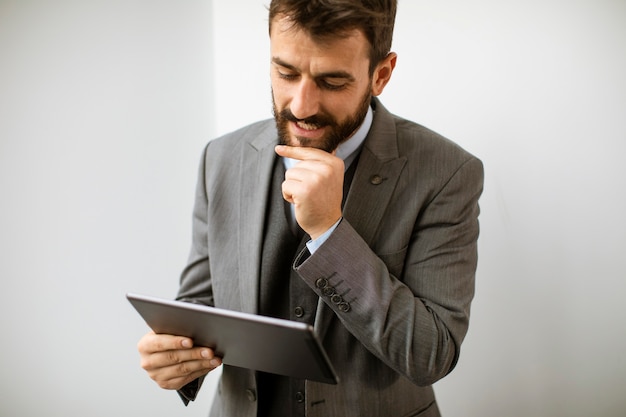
column 321, row 283
column 336, row 299
column 328, row 291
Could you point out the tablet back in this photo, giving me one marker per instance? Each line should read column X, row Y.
column 250, row 341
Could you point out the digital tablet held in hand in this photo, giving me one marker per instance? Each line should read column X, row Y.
column 250, row 341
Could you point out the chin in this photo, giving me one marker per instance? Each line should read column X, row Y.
column 320, row 144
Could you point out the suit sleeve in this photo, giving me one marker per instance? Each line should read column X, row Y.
column 413, row 321
column 195, row 280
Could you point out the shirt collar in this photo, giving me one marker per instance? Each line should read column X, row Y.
column 347, row 150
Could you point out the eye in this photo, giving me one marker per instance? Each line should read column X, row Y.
column 332, row 84
column 288, row 76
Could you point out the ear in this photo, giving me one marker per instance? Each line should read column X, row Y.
column 382, row 73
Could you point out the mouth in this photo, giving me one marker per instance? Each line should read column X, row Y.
column 307, row 130
column 308, row 126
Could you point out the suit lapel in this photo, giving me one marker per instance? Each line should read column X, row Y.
column 255, row 173
column 376, row 176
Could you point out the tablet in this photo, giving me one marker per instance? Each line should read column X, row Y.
column 245, row 340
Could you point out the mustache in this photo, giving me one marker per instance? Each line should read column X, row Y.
column 319, row 120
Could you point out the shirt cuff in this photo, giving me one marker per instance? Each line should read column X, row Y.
column 313, row 245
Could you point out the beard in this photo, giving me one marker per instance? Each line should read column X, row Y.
column 339, row 131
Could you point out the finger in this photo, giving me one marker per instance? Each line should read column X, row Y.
column 182, row 369
column 170, row 358
column 301, row 153
column 153, row 342
column 298, row 174
column 180, row 382
column 290, row 188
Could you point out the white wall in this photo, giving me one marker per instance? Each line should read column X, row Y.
column 104, row 109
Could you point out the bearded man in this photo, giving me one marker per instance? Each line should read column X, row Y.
column 334, row 193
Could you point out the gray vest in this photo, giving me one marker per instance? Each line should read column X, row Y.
column 283, row 294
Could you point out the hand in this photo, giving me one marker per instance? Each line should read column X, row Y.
column 172, row 361
column 314, row 186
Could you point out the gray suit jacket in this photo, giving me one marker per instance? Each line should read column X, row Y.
column 403, row 258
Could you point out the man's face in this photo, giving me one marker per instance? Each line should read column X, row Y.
column 321, row 91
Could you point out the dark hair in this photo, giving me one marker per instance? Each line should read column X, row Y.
column 328, row 19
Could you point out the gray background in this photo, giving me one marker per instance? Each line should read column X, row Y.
column 105, row 107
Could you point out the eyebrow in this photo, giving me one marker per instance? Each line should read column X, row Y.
column 330, row 74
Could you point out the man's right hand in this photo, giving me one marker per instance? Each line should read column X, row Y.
column 173, row 362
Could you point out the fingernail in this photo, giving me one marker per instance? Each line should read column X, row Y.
column 204, row 353
column 214, row 362
column 187, row 343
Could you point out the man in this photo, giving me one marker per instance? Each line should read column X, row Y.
column 358, row 222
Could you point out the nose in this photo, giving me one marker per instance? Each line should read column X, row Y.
column 306, row 98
